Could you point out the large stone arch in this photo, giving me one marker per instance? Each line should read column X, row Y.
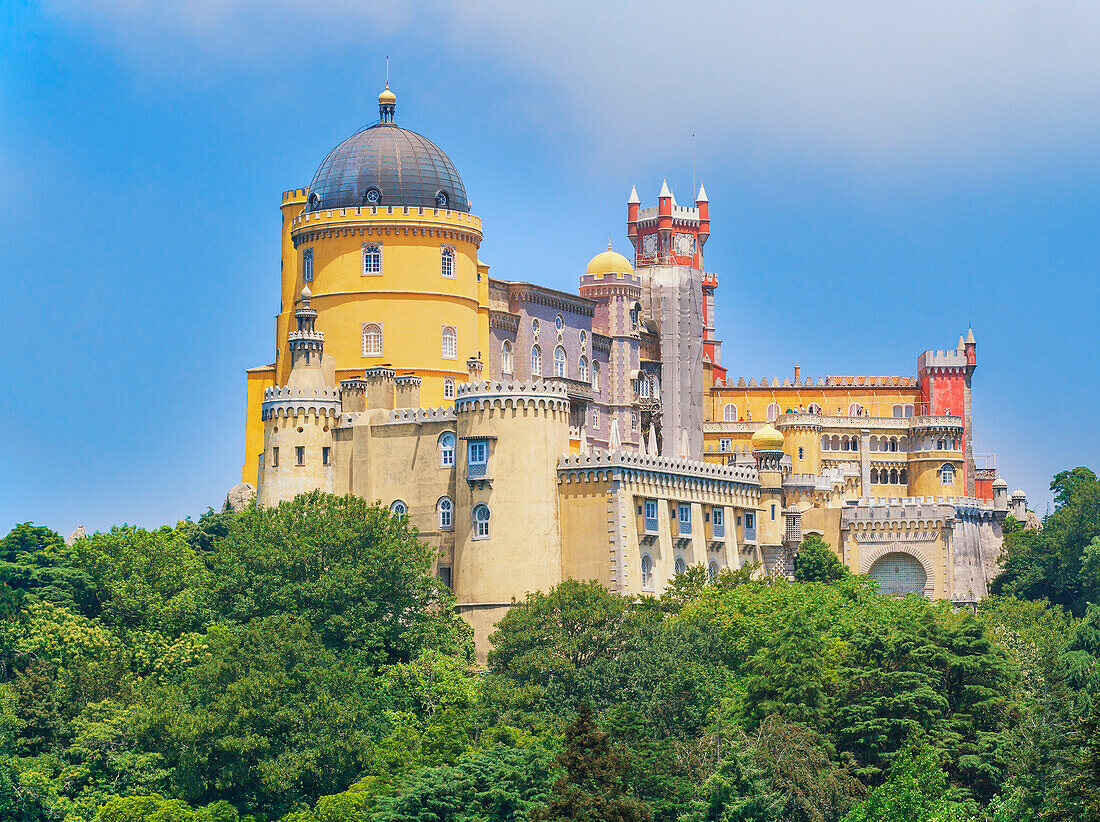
column 869, row 558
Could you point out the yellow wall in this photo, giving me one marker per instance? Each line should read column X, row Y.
column 876, row 401
column 258, row 379
column 410, row 299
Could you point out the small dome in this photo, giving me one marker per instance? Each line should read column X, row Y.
column 609, row 262
column 1000, row 483
column 387, row 97
column 1019, row 494
column 767, row 438
column 306, row 293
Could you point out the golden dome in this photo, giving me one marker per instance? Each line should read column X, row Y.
column 767, row 438
column 610, row 262
column 387, row 96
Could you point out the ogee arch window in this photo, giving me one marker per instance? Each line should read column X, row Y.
column 372, row 339
column 447, row 262
column 584, row 368
column 372, row 259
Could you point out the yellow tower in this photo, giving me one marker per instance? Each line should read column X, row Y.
column 385, row 240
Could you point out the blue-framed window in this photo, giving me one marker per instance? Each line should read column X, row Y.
column 750, row 526
column 718, row 522
column 477, row 458
column 651, row 516
column 684, row 520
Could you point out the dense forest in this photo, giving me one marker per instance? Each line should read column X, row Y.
column 301, row 664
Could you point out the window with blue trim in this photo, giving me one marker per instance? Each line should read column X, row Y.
column 651, row 516
column 718, row 522
column 685, row 519
column 750, row 526
column 477, row 458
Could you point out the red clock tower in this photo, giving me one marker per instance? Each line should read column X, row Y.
column 672, row 234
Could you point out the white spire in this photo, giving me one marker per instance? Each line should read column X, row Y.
column 633, row 196
column 614, row 441
column 702, row 198
column 664, row 189
column 653, row 441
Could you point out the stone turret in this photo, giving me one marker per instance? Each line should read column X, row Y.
column 299, row 417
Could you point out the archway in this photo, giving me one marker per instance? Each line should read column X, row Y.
column 898, row 574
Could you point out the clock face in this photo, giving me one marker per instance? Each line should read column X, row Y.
column 685, row 245
column 649, row 244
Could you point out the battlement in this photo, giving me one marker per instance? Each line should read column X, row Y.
column 681, row 214
column 285, row 401
column 825, row 382
column 379, row 372
column 941, row 359
column 442, row 217
column 310, row 336
column 480, row 394
column 295, row 195
column 576, row 464
column 405, row 416
column 617, row 278
column 407, row 380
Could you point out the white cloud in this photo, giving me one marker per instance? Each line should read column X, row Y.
column 880, row 82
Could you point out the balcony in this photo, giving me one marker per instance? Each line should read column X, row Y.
column 578, row 390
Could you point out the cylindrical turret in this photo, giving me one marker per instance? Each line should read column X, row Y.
column 506, row 531
column 406, row 391
column 1017, row 506
column 802, row 441
column 767, row 447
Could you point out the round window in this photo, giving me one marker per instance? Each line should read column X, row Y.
column 559, row 322
column 441, row 199
column 314, row 201
column 372, row 195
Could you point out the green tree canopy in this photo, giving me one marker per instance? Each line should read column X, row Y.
column 815, row 561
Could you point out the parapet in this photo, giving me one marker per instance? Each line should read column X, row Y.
column 404, row 416
column 586, row 467
column 486, row 393
column 288, row 402
column 609, row 284
column 941, row 359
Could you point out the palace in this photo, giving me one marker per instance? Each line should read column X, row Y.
column 535, row 435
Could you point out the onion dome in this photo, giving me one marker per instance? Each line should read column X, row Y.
column 1019, row 494
column 1000, row 483
column 386, row 165
column 767, row 438
column 609, row 262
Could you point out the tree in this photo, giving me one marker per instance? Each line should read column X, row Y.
column 146, row 580
column 786, row 675
column 1079, row 785
column 816, row 562
column 915, row 792
column 269, row 719
column 357, row 575
column 591, row 789
column 35, row 564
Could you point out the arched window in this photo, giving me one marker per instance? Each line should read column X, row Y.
column 643, row 387
column 447, row 262
column 947, row 474
column 898, row 410
column 506, row 359
column 874, row 443
column 825, row 442
column 729, row 412
column 836, row 443
column 449, row 343
column 813, row 408
column 445, row 510
column 903, row 476
column 855, row 443
column 654, row 386
column 681, row 566
column 583, row 370
column 874, row 476
column 447, row 450
column 448, row 389
column 633, row 420
column 535, row 328
column 712, row 570
column 903, row 444
column 481, row 521
column 559, row 361
column 372, row 259
column 893, row 476
column 372, row 339
column 536, row 361
column 596, row 376
column 909, row 410
column 399, row 508
column 855, row 410
column 773, row 412
column 647, row 573
column 893, row 443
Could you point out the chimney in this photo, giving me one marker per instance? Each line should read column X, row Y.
column 797, row 373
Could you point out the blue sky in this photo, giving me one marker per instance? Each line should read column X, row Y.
column 880, row 175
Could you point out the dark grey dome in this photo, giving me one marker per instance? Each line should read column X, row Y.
column 389, row 166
